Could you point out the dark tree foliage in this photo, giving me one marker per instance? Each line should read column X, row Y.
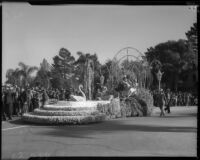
column 79, row 65
column 62, row 69
column 43, row 75
column 175, row 58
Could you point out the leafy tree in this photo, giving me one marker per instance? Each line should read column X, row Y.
column 13, row 77
column 25, row 71
column 62, row 69
column 106, row 70
column 80, row 67
column 192, row 42
column 43, row 75
column 63, row 62
column 174, row 56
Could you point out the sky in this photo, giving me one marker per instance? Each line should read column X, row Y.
column 31, row 33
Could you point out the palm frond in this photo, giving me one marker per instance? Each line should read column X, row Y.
column 31, row 70
column 23, row 66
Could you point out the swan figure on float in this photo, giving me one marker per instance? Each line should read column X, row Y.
column 79, row 98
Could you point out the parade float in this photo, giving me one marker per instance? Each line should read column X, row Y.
column 83, row 109
column 67, row 112
column 77, row 110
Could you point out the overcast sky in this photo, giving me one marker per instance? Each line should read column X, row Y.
column 31, row 33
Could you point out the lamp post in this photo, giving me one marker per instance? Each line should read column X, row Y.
column 159, row 77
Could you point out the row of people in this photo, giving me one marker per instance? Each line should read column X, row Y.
column 179, row 98
column 17, row 101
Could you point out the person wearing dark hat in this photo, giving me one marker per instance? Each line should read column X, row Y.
column 45, row 98
column 3, row 106
column 67, row 93
column 9, row 103
column 16, row 101
column 161, row 101
column 168, row 101
column 24, row 97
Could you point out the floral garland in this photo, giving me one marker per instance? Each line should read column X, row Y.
column 63, row 119
column 67, row 112
column 64, row 113
column 68, row 108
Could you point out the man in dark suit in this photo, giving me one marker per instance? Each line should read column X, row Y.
column 9, row 103
column 45, row 97
column 3, row 107
column 161, row 101
column 168, row 101
column 24, row 101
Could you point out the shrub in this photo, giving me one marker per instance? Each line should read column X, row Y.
column 131, row 108
column 137, row 105
column 112, row 109
column 145, row 99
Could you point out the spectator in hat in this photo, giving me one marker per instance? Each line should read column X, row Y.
column 67, row 94
column 24, row 100
column 45, row 98
column 9, row 103
column 161, row 100
column 16, row 101
column 168, row 101
column 3, row 106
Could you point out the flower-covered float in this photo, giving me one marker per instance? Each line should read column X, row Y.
column 67, row 112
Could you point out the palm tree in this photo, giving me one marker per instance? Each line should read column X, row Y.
column 9, row 76
column 26, row 72
column 13, row 76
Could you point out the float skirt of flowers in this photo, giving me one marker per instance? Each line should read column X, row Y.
column 67, row 112
column 30, row 117
column 64, row 113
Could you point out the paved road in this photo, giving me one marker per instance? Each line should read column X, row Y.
column 173, row 135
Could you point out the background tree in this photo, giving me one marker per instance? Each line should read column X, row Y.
column 175, row 57
column 80, row 67
column 192, row 42
column 13, row 77
column 43, row 75
column 62, row 69
column 25, row 71
column 106, row 70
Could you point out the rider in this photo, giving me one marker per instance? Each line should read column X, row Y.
column 131, row 88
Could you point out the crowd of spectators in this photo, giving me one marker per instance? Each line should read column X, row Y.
column 178, row 98
column 16, row 100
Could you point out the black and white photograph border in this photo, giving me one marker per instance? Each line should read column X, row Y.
column 99, row 80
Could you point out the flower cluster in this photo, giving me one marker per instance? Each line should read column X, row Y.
column 52, row 101
column 111, row 110
column 64, row 108
column 64, row 113
column 29, row 117
column 145, row 99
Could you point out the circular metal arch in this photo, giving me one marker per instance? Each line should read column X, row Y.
column 126, row 48
column 139, row 57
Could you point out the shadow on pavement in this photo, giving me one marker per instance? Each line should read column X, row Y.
column 111, row 126
column 117, row 125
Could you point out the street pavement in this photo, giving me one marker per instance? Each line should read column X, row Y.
column 172, row 135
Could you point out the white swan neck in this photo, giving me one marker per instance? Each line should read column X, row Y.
column 82, row 91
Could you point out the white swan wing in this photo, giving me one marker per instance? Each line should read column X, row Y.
column 77, row 98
